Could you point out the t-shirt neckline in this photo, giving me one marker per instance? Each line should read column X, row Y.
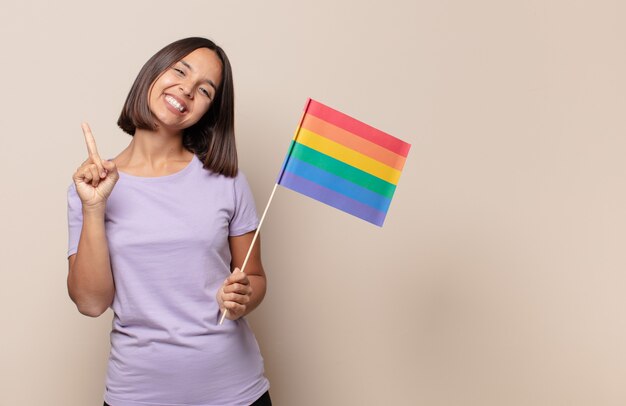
column 163, row 178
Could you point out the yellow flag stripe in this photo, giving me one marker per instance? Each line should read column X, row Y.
column 347, row 155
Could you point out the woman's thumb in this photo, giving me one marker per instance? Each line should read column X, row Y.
column 109, row 166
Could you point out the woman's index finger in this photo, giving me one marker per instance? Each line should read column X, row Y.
column 90, row 140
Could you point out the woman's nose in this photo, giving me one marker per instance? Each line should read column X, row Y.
column 185, row 89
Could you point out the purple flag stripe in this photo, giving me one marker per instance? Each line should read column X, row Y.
column 332, row 198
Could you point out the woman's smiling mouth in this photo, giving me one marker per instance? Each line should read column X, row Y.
column 175, row 103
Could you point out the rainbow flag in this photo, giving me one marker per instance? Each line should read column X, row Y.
column 344, row 163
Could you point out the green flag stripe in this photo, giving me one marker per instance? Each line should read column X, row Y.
column 341, row 169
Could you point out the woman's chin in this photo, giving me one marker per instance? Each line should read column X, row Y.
column 169, row 126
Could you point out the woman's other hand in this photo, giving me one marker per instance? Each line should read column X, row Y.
column 234, row 294
column 95, row 178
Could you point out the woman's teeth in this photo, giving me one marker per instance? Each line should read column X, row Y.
column 174, row 103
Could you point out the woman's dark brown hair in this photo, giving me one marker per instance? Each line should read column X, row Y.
column 212, row 138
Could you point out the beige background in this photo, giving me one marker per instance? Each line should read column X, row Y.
column 498, row 278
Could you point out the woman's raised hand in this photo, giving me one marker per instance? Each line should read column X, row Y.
column 94, row 178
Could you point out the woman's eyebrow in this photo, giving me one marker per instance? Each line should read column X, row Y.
column 209, row 81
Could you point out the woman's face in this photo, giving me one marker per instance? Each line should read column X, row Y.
column 183, row 93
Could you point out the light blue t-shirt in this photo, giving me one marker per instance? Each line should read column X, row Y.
column 168, row 244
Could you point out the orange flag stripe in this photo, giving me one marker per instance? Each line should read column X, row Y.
column 352, row 141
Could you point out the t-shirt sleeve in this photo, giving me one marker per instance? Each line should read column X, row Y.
column 245, row 217
column 74, row 219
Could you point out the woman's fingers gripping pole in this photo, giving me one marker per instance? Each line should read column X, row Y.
column 92, row 149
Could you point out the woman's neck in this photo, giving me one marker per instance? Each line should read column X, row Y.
column 154, row 152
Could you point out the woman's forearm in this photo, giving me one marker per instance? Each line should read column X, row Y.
column 90, row 280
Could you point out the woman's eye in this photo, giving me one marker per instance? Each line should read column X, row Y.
column 206, row 93
column 179, row 71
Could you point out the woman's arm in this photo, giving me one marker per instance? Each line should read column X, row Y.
column 90, row 280
column 242, row 292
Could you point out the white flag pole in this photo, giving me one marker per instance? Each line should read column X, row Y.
column 245, row 261
column 280, row 176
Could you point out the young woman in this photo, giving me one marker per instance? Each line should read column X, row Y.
column 158, row 233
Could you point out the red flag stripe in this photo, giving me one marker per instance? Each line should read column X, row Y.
column 357, row 127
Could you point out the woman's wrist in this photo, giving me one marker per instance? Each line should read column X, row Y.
column 94, row 211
